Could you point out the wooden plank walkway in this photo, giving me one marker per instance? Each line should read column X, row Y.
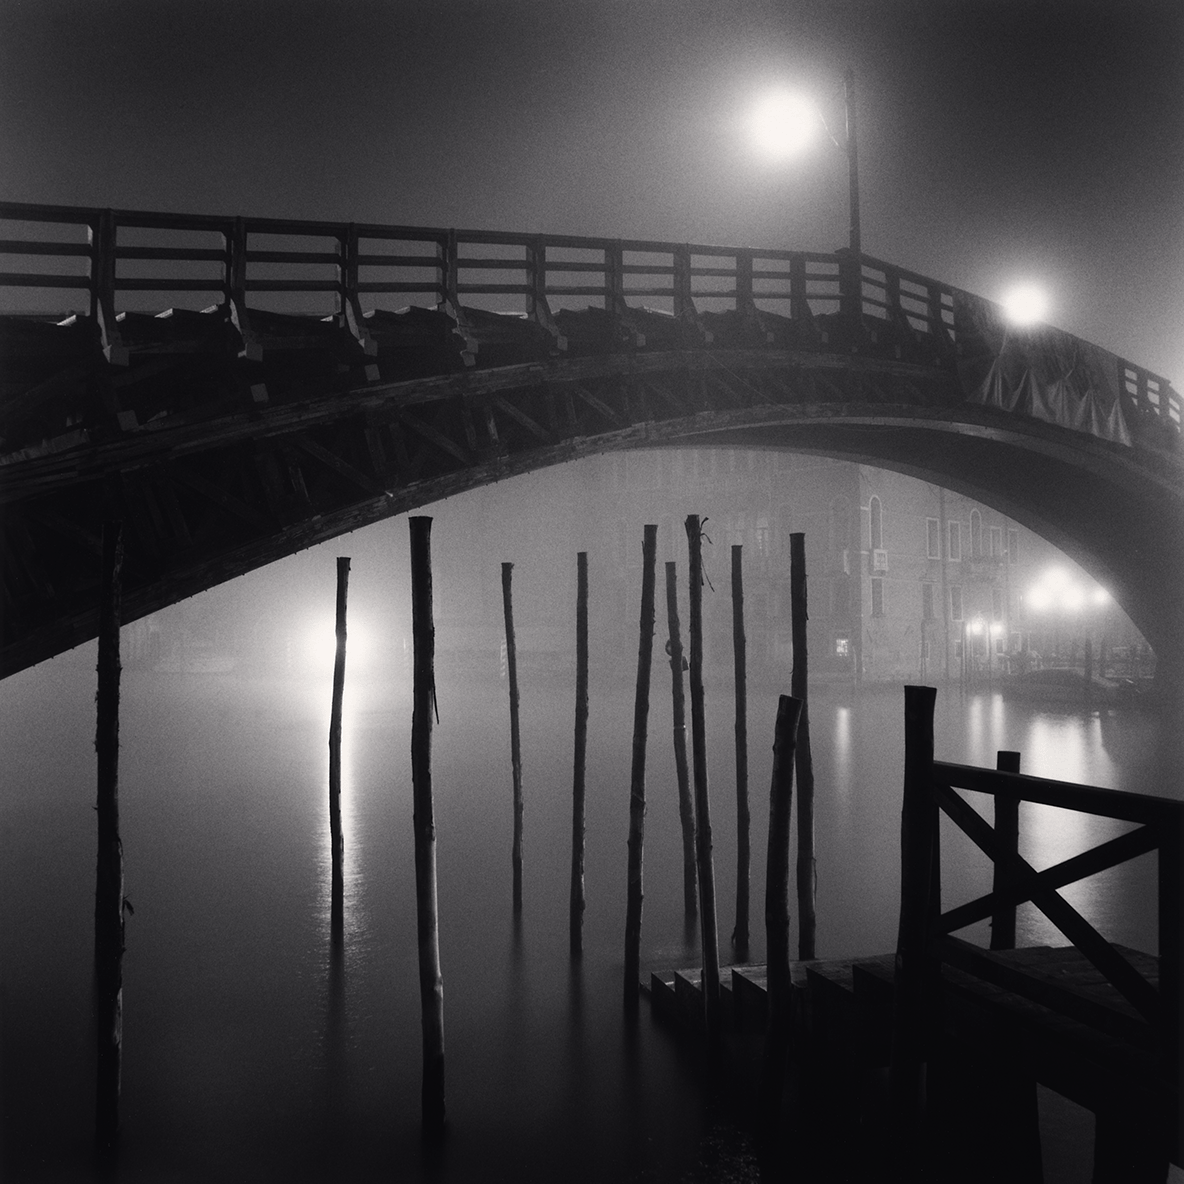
column 1084, row 1041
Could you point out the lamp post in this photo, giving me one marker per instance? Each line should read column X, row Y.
column 852, row 161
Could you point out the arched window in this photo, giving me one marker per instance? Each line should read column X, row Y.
column 976, row 534
column 876, row 516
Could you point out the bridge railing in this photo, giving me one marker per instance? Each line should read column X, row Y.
column 121, row 261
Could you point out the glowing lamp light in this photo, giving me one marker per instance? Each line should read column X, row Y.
column 784, row 124
column 997, row 629
column 1100, row 596
column 1025, row 304
column 976, row 626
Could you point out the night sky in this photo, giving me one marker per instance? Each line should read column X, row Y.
column 998, row 140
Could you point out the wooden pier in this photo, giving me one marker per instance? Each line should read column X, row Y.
column 924, row 1062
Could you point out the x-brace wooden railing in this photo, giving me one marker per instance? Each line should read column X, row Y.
column 1155, row 1019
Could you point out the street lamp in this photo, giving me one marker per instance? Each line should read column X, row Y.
column 785, row 123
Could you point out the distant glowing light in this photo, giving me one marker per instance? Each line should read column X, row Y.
column 1025, row 304
column 1039, row 599
column 976, row 626
column 1100, row 596
column 784, row 124
column 1072, row 600
column 997, row 629
column 320, row 644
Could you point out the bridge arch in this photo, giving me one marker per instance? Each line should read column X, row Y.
column 228, row 438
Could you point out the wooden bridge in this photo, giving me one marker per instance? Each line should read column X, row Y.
column 932, row 1053
column 237, row 389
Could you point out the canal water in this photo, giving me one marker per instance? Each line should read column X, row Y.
column 250, row 1055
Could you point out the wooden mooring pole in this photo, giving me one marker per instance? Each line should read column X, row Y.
column 807, row 870
column 109, row 901
column 581, row 744
column 515, row 734
column 777, row 1031
column 581, row 753
column 641, row 711
column 431, row 980
column 707, row 916
column 686, row 805
column 336, row 840
column 743, row 823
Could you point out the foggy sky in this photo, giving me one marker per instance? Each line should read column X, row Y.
column 998, row 140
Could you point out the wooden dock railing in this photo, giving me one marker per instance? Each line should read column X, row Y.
column 1154, row 1020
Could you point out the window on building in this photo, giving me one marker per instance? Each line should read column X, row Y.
column 954, row 540
column 1017, row 642
column 927, row 602
column 877, row 596
column 876, row 518
column 956, row 603
column 1013, row 545
column 958, row 649
column 996, row 542
column 932, row 538
column 976, row 535
column 1000, row 645
column 996, row 604
column 761, row 538
column 842, row 645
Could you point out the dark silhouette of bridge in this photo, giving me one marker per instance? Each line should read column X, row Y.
column 229, row 437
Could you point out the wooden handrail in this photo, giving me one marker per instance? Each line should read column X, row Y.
column 860, row 287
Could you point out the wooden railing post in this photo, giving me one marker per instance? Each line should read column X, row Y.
column 538, row 309
column 351, row 308
column 915, row 998
column 1007, row 831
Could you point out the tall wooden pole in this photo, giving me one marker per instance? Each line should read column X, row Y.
column 807, row 871
column 335, row 837
column 686, row 805
column 777, row 1031
column 581, row 752
column 109, row 867
column 431, row 980
column 641, row 712
column 1007, row 831
column 515, row 735
column 916, row 978
column 707, row 917
column 743, row 853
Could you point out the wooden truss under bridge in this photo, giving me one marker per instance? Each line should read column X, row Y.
column 227, row 435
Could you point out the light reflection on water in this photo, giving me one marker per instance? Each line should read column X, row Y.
column 240, row 1020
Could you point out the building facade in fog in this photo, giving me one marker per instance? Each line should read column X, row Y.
column 907, row 581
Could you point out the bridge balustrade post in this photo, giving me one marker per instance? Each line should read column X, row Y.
column 450, row 277
column 684, row 302
column 537, row 307
column 614, row 295
column 102, row 292
column 805, row 330
column 349, row 304
column 237, row 296
column 1007, row 830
